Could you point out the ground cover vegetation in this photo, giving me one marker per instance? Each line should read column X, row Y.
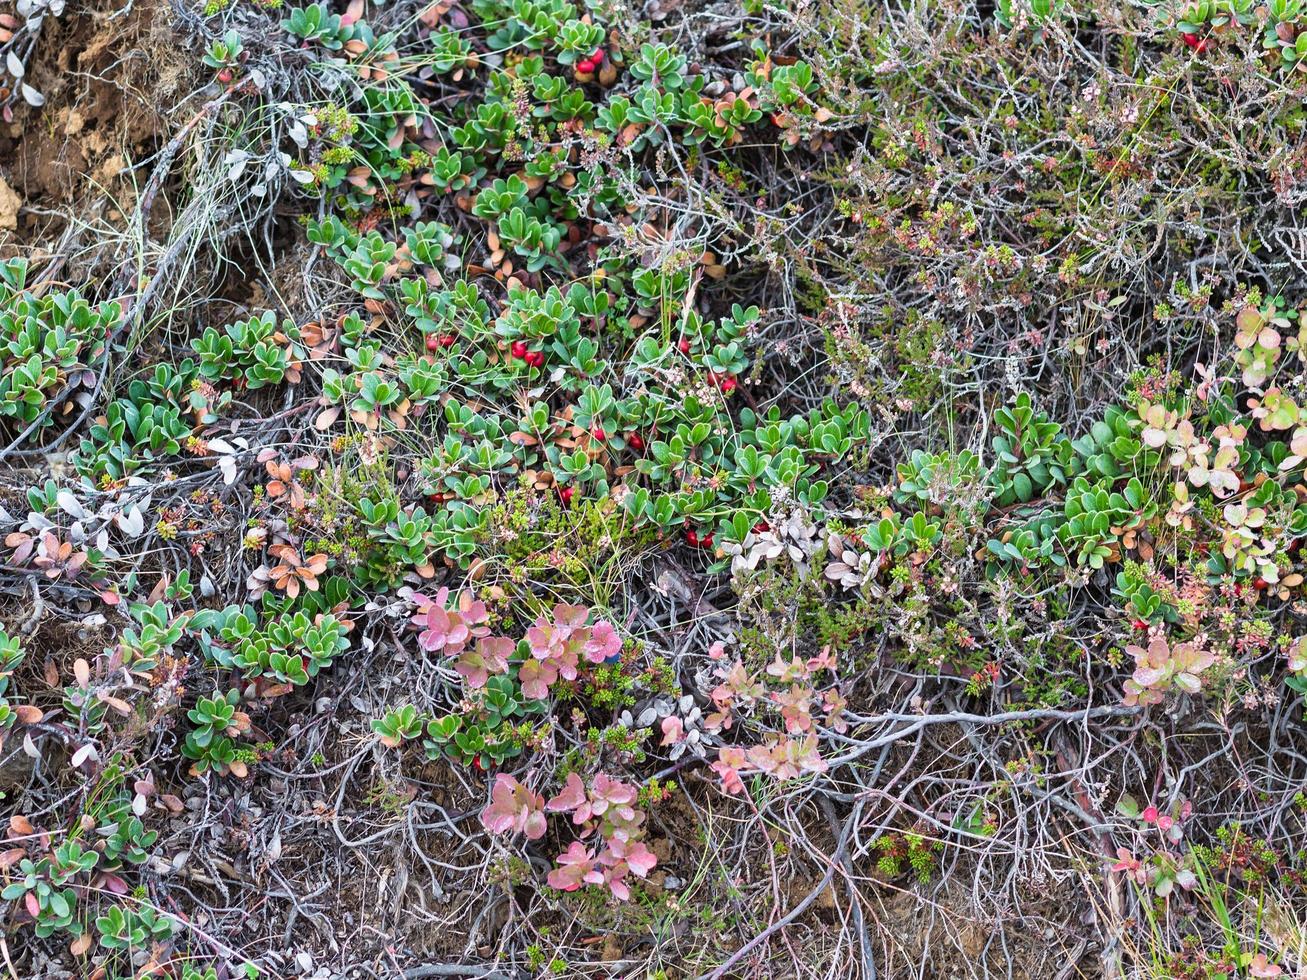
column 526, row 488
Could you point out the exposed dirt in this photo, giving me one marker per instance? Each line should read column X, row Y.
column 106, row 70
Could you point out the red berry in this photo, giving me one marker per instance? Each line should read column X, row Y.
column 535, row 358
column 1259, row 583
column 760, row 527
column 519, row 349
column 598, row 432
column 565, row 495
column 586, row 67
column 684, row 345
column 1202, row 46
column 598, row 56
column 692, row 537
column 225, row 76
column 433, row 342
column 728, row 384
column 706, row 541
column 447, row 340
column 1139, row 624
column 634, row 441
column 476, row 764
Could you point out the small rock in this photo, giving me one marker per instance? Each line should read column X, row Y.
column 10, row 202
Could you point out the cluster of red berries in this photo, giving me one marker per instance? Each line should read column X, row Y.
column 536, row 358
column 1199, row 44
column 437, row 341
column 588, row 66
column 692, row 538
column 723, row 382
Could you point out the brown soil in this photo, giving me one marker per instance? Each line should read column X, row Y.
column 105, row 74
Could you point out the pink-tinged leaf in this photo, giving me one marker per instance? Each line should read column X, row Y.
column 570, row 618
column 1148, row 676
column 576, row 867
column 603, row 643
column 640, row 859
column 114, row 884
column 33, row 904
column 513, row 807
column 571, row 796
column 471, row 666
column 535, row 825
column 673, row 730
column 1260, row 966
column 730, row 760
column 1125, row 860
column 616, row 880
column 535, row 678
